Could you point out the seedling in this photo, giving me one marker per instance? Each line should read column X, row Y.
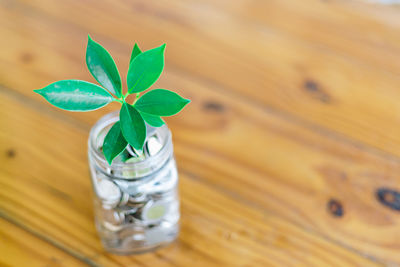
column 144, row 70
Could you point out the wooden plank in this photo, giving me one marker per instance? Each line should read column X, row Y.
column 50, row 194
column 302, row 175
column 320, row 168
column 359, row 30
column 289, row 170
column 316, row 164
column 18, row 247
column 302, row 72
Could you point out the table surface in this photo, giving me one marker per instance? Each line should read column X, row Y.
column 288, row 155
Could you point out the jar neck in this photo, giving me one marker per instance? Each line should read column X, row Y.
column 127, row 170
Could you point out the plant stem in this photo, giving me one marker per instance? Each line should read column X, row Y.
column 125, row 96
column 137, row 97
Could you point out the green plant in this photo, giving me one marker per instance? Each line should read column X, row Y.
column 144, row 70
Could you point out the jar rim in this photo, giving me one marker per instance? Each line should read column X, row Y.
column 111, row 118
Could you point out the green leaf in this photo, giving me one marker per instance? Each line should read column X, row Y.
column 102, row 66
column 75, row 95
column 145, row 69
column 161, row 102
column 135, row 51
column 114, row 143
column 152, row 120
column 132, row 126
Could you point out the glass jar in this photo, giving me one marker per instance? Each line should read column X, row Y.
column 136, row 198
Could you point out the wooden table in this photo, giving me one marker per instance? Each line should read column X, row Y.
column 289, row 154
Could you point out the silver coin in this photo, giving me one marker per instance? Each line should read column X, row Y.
column 153, row 212
column 153, row 146
column 108, row 192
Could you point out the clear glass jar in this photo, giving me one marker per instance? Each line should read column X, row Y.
column 136, row 199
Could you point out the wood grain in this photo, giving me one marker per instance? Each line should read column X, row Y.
column 52, row 198
column 17, row 246
column 291, row 131
column 276, row 70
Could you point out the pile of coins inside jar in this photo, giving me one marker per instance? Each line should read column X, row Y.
column 137, row 210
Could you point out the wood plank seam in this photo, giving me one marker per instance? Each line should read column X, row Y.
column 44, row 108
column 48, row 240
